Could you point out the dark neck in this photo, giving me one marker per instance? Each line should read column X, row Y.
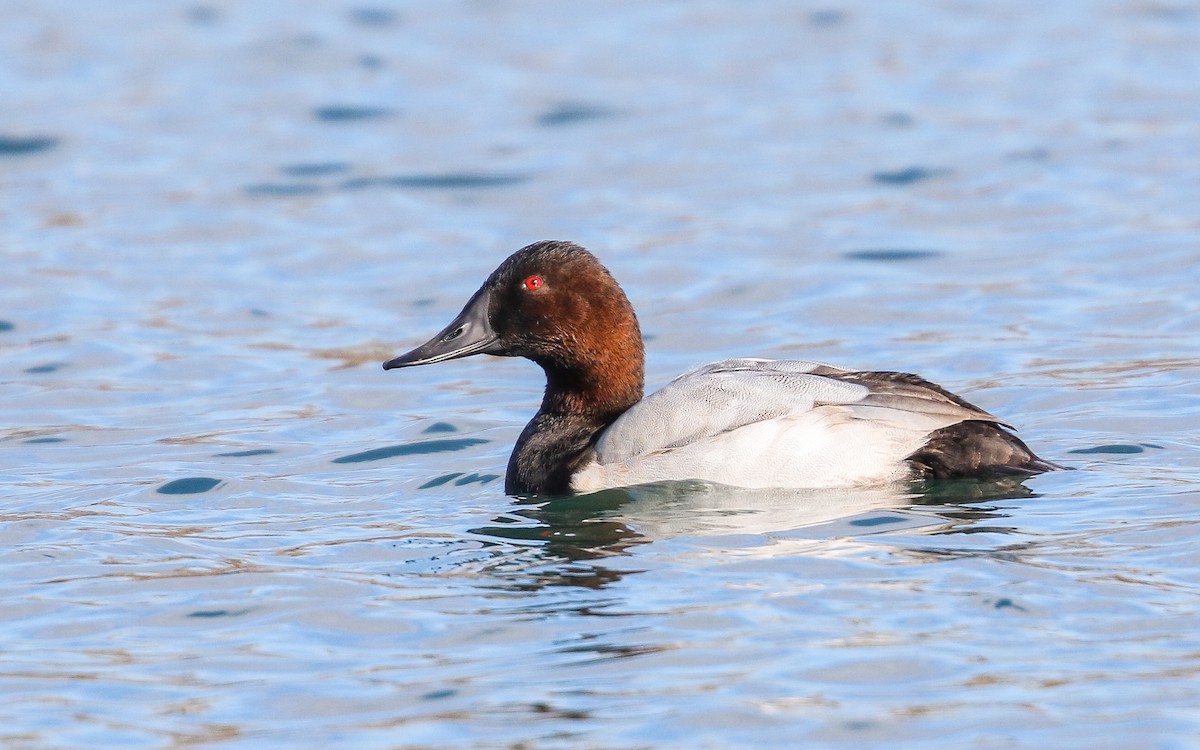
column 579, row 403
column 599, row 392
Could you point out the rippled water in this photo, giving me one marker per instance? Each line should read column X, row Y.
column 226, row 526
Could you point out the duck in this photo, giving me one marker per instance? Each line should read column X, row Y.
column 744, row 422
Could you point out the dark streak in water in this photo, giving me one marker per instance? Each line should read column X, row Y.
column 825, row 18
column 480, row 478
column 283, row 191
column 10, row 146
column 188, row 486
column 1006, row 603
column 206, row 613
column 908, row 175
column 46, row 440
column 569, row 114
column 40, row 369
column 898, row 120
column 203, row 14
column 349, row 114
column 439, row 481
column 6, row 326
column 316, row 169
column 440, row 427
column 1115, row 449
column 244, row 454
column 372, row 16
column 876, row 521
column 452, row 181
column 410, row 449
column 888, row 255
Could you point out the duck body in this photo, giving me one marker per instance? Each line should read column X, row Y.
column 740, row 422
column 773, row 423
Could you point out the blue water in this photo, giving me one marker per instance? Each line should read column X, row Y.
column 226, row 526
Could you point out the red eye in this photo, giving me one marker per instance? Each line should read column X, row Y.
column 533, row 282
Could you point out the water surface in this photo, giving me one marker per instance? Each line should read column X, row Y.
column 226, row 526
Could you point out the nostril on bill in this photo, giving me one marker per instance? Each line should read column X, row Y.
column 453, row 334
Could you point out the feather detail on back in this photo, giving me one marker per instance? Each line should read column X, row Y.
column 720, row 397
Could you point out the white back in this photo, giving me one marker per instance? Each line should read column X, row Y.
column 763, row 423
column 717, row 398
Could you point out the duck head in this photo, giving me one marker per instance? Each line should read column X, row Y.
column 554, row 303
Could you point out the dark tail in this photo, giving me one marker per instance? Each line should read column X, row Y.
column 975, row 449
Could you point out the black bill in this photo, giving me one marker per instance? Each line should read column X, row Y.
column 470, row 333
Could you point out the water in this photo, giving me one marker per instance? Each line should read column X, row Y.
column 226, row 526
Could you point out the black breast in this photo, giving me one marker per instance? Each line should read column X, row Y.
column 550, row 449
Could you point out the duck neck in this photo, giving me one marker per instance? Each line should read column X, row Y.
column 580, row 401
column 599, row 393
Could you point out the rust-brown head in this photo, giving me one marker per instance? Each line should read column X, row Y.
column 554, row 303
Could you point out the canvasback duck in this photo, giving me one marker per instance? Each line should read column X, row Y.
column 740, row 422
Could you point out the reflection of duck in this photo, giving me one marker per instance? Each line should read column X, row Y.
column 577, row 534
column 614, row 518
column 666, row 510
column 742, row 422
